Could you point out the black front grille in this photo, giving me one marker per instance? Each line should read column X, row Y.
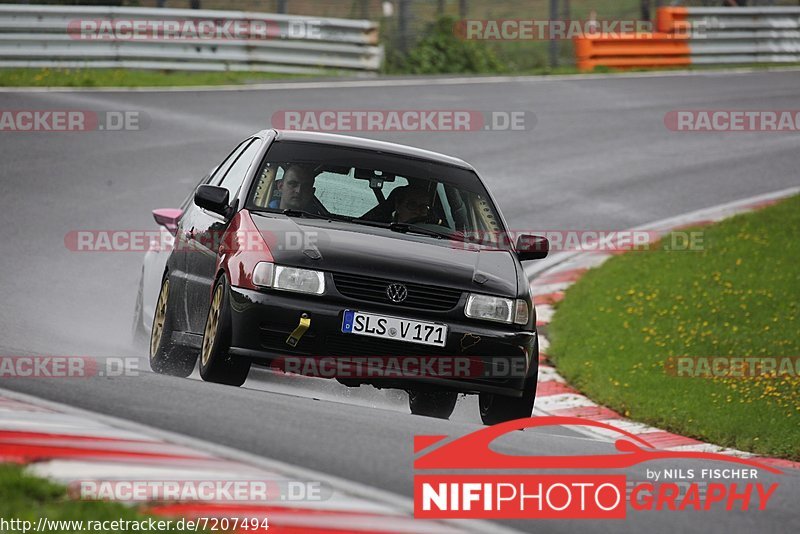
column 374, row 290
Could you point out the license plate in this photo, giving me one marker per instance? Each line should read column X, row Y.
column 385, row 327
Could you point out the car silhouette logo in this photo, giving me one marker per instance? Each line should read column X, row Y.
column 472, row 451
column 396, row 292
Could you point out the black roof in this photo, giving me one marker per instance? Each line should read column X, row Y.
column 371, row 144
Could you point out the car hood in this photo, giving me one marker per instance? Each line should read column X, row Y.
column 379, row 252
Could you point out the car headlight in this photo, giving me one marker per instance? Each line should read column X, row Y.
column 284, row 278
column 498, row 309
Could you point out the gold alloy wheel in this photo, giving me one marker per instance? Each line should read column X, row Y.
column 211, row 325
column 161, row 314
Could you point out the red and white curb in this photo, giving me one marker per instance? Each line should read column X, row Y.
column 70, row 446
column 555, row 396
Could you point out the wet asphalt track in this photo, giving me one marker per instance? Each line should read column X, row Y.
column 598, row 158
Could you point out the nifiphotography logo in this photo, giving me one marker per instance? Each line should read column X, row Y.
column 510, row 495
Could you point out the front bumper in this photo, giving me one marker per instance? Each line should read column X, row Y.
column 477, row 357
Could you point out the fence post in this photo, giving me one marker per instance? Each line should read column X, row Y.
column 402, row 24
column 553, row 42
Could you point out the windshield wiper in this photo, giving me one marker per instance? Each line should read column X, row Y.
column 289, row 212
column 410, row 227
column 395, row 226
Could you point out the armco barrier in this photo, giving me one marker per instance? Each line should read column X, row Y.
column 49, row 36
column 632, row 50
column 700, row 35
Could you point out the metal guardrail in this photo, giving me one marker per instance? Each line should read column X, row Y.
column 720, row 35
column 633, row 50
column 53, row 36
column 700, row 36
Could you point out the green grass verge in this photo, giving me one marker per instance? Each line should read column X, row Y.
column 129, row 78
column 740, row 296
column 28, row 498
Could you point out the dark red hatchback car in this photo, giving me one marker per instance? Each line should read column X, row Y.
column 364, row 261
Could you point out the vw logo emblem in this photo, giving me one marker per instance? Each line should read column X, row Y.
column 396, row 292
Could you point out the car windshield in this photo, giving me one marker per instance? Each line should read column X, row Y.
column 359, row 186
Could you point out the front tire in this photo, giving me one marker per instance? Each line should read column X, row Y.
column 166, row 357
column 216, row 364
column 499, row 409
column 439, row 404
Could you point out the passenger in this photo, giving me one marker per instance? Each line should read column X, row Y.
column 411, row 204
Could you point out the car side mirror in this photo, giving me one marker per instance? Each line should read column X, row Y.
column 212, row 198
column 532, row 247
column 168, row 218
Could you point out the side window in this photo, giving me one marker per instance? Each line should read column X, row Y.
column 484, row 218
column 226, row 163
column 265, row 192
column 235, row 176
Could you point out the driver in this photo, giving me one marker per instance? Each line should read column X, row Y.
column 411, row 204
column 296, row 189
